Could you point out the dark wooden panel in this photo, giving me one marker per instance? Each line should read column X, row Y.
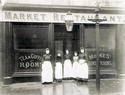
column 82, row 35
column 90, row 36
column 59, row 46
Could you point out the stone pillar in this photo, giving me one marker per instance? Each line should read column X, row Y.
column 120, row 50
column 0, row 51
column 123, row 47
column 7, row 53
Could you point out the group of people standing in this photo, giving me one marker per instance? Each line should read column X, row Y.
column 76, row 68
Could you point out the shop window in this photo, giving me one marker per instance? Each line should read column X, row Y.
column 106, row 49
column 107, row 36
column 30, row 37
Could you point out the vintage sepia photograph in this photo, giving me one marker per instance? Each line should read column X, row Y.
column 62, row 47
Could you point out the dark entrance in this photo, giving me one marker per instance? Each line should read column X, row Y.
column 66, row 40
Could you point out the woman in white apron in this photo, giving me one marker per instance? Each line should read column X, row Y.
column 75, row 65
column 58, row 68
column 67, row 66
column 83, row 67
column 47, row 71
column 86, row 71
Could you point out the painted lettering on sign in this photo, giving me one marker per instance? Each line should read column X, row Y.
column 24, row 16
column 105, row 57
column 29, row 61
column 29, row 64
column 31, row 56
column 55, row 17
column 104, row 63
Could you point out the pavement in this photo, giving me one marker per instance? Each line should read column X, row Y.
column 67, row 87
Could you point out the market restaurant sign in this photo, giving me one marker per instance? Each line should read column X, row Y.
column 55, row 17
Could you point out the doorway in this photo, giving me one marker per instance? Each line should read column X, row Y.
column 66, row 40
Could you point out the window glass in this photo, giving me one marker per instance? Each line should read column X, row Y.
column 30, row 37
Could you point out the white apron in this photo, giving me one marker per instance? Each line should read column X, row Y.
column 86, row 70
column 67, row 68
column 58, row 70
column 75, row 69
column 83, row 69
column 47, row 72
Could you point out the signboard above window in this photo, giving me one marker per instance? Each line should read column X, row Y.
column 57, row 17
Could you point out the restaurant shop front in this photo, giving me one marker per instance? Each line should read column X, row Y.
column 26, row 34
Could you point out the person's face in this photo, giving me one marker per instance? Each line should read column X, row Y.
column 75, row 53
column 82, row 50
column 47, row 51
column 67, row 52
column 59, row 54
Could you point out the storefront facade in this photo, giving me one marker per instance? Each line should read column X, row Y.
column 25, row 35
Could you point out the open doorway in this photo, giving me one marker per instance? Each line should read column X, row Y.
column 66, row 40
